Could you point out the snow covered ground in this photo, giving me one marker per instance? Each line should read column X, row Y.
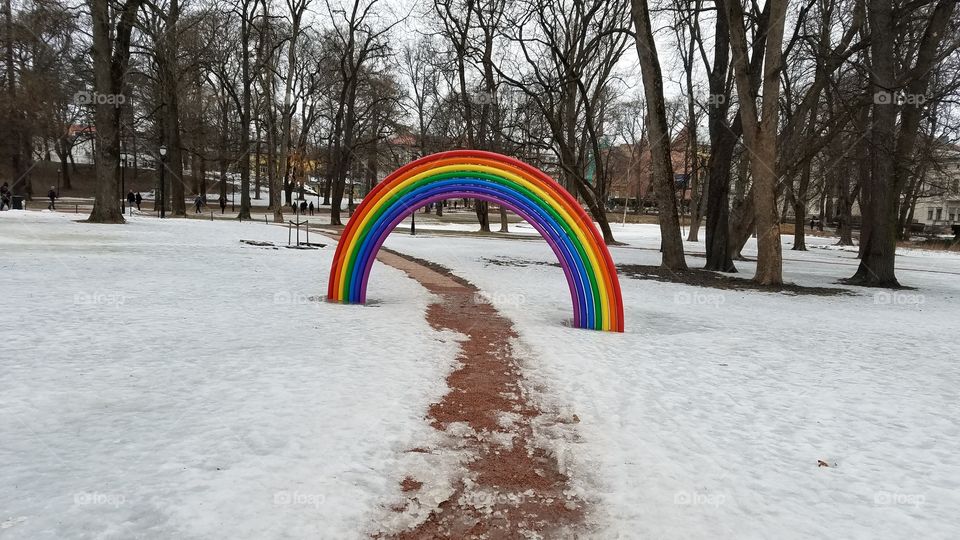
column 707, row 418
column 162, row 380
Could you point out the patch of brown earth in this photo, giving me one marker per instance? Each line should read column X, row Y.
column 716, row 280
column 409, row 484
column 693, row 276
column 512, row 488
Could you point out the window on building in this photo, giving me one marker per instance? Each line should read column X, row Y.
column 930, row 214
column 939, row 214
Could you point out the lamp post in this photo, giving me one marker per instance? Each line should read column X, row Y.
column 163, row 200
column 413, row 222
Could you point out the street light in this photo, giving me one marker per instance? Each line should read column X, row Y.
column 163, row 201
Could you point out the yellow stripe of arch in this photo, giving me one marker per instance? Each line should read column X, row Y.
column 590, row 249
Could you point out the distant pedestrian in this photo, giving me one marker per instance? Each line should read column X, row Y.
column 5, row 196
column 223, row 204
column 303, row 207
column 198, row 203
column 131, row 199
column 52, row 195
column 311, row 208
column 139, row 200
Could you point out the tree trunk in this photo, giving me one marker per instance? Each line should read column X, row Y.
column 481, row 208
column 257, row 157
column 696, row 189
column 60, row 147
column 659, row 136
column 296, row 13
column 169, row 80
column 109, row 68
column 760, row 133
column 247, row 81
column 891, row 148
column 14, row 120
column 800, row 209
column 723, row 139
column 799, row 227
column 224, row 141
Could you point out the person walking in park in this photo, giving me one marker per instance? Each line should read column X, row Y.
column 138, row 200
column 311, row 208
column 5, row 196
column 52, row 195
column 131, row 199
column 303, row 207
column 223, row 204
column 198, row 203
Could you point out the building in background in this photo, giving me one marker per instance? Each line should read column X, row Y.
column 939, row 204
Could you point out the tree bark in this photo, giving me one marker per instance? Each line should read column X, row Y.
column 723, row 139
column 659, row 136
column 109, row 69
column 800, row 210
column 169, row 74
column 243, row 156
column 891, row 148
column 760, row 133
column 14, row 115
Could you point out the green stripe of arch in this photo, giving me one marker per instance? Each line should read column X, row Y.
column 575, row 240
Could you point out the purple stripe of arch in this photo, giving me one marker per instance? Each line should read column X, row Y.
column 571, row 283
column 567, row 255
column 587, row 317
column 584, row 318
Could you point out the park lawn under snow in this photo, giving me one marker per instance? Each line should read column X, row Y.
column 708, row 417
column 161, row 380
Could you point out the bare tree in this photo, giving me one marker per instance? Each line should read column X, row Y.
column 111, row 54
column 891, row 145
column 671, row 244
column 359, row 44
column 760, row 132
column 568, row 56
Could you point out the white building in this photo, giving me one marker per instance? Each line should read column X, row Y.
column 83, row 146
column 939, row 206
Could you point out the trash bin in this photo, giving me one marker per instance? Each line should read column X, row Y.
column 18, row 202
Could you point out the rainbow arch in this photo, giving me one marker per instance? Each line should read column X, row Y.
column 525, row 190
